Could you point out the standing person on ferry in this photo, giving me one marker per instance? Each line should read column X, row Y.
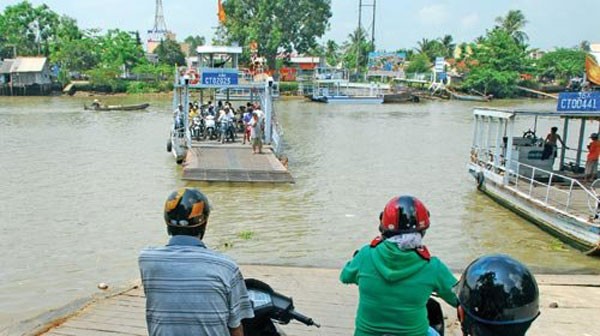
column 591, row 164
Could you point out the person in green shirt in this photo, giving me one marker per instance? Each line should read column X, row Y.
column 396, row 274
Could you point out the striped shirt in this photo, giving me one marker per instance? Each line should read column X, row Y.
column 191, row 290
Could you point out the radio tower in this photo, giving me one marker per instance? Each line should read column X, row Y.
column 372, row 6
column 159, row 31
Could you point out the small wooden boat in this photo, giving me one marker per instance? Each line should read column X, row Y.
column 134, row 107
column 400, row 97
column 466, row 97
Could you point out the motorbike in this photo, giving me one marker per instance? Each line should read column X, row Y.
column 227, row 131
column 197, row 128
column 210, row 128
column 269, row 307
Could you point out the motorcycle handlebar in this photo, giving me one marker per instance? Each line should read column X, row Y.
column 304, row 319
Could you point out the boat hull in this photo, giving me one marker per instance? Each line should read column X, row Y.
column 568, row 229
column 118, row 107
column 347, row 99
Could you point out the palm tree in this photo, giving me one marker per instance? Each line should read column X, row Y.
column 513, row 23
column 448, row 44
column 332, row 52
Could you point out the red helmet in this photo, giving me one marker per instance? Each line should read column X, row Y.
column 403, row 214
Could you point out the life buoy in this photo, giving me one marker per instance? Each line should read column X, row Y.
column 193, row 75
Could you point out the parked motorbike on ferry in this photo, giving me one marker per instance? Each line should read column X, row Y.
column 269, row 308
column 227, row 131
column 197, row 128
column 210, row 128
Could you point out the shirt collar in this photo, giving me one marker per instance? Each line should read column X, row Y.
column 186, row 241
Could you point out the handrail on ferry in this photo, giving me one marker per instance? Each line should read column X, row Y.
column 593, row 199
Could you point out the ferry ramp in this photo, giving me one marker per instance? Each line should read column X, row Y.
column 216, row 162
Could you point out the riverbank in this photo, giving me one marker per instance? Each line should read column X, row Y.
column 569, row 306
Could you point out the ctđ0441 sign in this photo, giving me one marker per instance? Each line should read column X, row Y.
column 578, row 101
column 219, row 78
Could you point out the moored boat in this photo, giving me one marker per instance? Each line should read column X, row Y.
column 466, row 97
column 518, row 173
column 134, row 107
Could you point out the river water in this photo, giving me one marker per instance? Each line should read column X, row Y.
column 82, row 192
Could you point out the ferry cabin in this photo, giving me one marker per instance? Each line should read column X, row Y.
column 509, row 164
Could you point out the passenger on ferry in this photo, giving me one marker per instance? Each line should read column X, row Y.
column 256, row 134
column 551, row 143
column 247, row 128
column 190, row 289
column 396, row 274
column 498, row 296
column 591, row 164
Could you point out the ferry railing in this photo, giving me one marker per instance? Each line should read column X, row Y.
column 520, row 173
column 527, row 173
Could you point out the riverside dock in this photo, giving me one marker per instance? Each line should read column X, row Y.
column 569, row 304
column 215, row 162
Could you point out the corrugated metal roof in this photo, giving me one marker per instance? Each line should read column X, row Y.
column 6, row 66
column 29, row 64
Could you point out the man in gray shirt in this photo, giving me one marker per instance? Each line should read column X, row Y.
column 191, row 290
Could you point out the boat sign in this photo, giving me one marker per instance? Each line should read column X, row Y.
column 219, row 77
column 578, row 101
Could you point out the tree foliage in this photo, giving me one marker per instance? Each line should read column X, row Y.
column 194, row 42
column 418, row 63
column 562, row 64
column 169, row 52
column 332, row 53
column 513, row 23
column 276, row 25
column 356, row 50
column 27, row 28
column 496, row 64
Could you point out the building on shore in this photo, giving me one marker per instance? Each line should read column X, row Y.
column 24, row 76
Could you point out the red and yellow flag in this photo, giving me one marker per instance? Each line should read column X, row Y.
column 592, row 70
column 221, row 12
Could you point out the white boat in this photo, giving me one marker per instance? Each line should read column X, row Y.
column 332, row 86
column 514, row 171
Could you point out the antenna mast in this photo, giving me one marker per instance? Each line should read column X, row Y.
column 159, row 31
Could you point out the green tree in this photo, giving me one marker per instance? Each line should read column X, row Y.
column 356, row 50
column 513, row 23
column 431, row 48
column 496, row 64
column 194, row 42
column 169, row 52
column 332, row 53
column 120, row 49
column 418, row 63
column 28, row 28
column 288, row 25
column 562, row 64
column 448, row 45
column 585, row 46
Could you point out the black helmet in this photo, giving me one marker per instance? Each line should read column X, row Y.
column 186, row 208
column 498, row 292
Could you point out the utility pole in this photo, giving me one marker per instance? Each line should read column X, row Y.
column 372, row 5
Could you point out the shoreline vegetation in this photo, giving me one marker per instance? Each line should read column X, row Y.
column 114, row 61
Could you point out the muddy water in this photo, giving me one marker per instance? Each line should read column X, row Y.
column 82, row 193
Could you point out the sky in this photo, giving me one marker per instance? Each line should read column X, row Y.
column 399, row 23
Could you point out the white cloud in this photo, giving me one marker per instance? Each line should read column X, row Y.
column 470, row 20
column 434, row 14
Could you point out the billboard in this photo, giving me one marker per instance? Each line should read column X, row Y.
column 383, row 63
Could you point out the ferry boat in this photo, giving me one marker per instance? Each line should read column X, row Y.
column 332, row 86
column 517, row 170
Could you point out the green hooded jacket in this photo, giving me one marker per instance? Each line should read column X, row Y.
column 394, row 286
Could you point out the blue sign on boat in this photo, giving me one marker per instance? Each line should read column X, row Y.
column 578, row 101
column 219, row 77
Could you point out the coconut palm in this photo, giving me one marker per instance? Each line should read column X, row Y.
column 513, row 23
column 448, row 44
